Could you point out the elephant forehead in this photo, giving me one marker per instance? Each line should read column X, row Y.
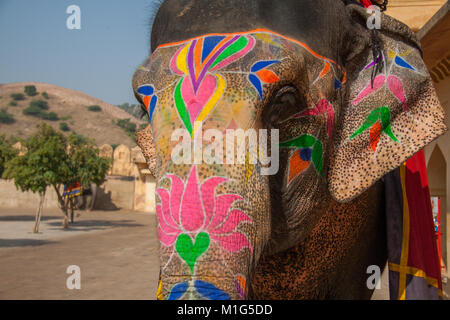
column 224, row 79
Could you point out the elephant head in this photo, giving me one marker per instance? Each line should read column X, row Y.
column 347, row 105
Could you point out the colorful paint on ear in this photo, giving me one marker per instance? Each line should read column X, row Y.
column 399, row 61
column 378, row 60
column 394, row 85
column 311, row 149
column 149, row 98
column 378, row 121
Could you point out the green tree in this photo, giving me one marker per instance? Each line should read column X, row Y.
column 128, row 126
column 30, row 90
column 17, row 96
column 142, row 126
column 94, row 108
column 32, row 111
column 45, row 95
column 7, row 152
column 85, row 163
column 64, row 127
column 133, row 109
column 5, row 117
column 52, row 160
column 43, row 165
column 49, row 116
column 41, row 104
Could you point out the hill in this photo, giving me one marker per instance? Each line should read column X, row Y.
column 69, row 107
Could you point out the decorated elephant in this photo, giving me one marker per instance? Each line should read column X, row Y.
column 342, row 105
column 86, row 201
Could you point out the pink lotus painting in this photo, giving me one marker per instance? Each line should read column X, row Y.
column 190, row 216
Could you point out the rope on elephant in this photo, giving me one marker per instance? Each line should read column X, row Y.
column 382, row 4
column 376, row 43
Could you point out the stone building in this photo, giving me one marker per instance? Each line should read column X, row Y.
column 430, row 20
column 129, row 184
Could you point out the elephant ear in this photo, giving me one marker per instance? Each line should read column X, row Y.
column 388, row 115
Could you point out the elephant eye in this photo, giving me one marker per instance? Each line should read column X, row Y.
column 142, row 112
column 287, row 101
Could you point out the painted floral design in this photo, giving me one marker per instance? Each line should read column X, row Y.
column 201, row 87
column 259, row 75
column 149, row 98
column 399, row 61
column 393, row 83
column 378, row 121
column 191, row 216
column 202, row 288
column 310, row 149
column 322, row 107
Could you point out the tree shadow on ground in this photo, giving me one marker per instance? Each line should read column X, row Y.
column 27, row 218
column 8, row 243
column 90, row 225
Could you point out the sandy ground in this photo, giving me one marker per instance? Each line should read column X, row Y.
column 117, row 253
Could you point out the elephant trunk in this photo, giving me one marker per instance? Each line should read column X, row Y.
column 210, row 233
column 203, row 287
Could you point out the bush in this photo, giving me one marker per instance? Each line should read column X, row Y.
column 6, row 117
column 17, row 96
column 32, row 111
column 127, row 125
column 35, row 111
column 45, row 95
column 49, row 116
column 64, row 127
column 30, row 91
column 13, row 103
column 66, row 118
column 94, row 108
column 133, row 109
column 41, row 104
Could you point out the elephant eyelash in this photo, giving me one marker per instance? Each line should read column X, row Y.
column 284, row 104
column 142, row 112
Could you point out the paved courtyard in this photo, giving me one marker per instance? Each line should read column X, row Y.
column 117, row 253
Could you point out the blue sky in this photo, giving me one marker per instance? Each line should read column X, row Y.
column 98, row 60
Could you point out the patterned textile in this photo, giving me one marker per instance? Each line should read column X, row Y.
column 73, row 191
column 414, row 269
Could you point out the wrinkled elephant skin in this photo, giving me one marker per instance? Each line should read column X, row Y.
column 306, row 69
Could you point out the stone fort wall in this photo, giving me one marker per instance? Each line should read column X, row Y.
column 129, row 185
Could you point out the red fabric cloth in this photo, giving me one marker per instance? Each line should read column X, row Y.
column 423, row 251
column 366, row 3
